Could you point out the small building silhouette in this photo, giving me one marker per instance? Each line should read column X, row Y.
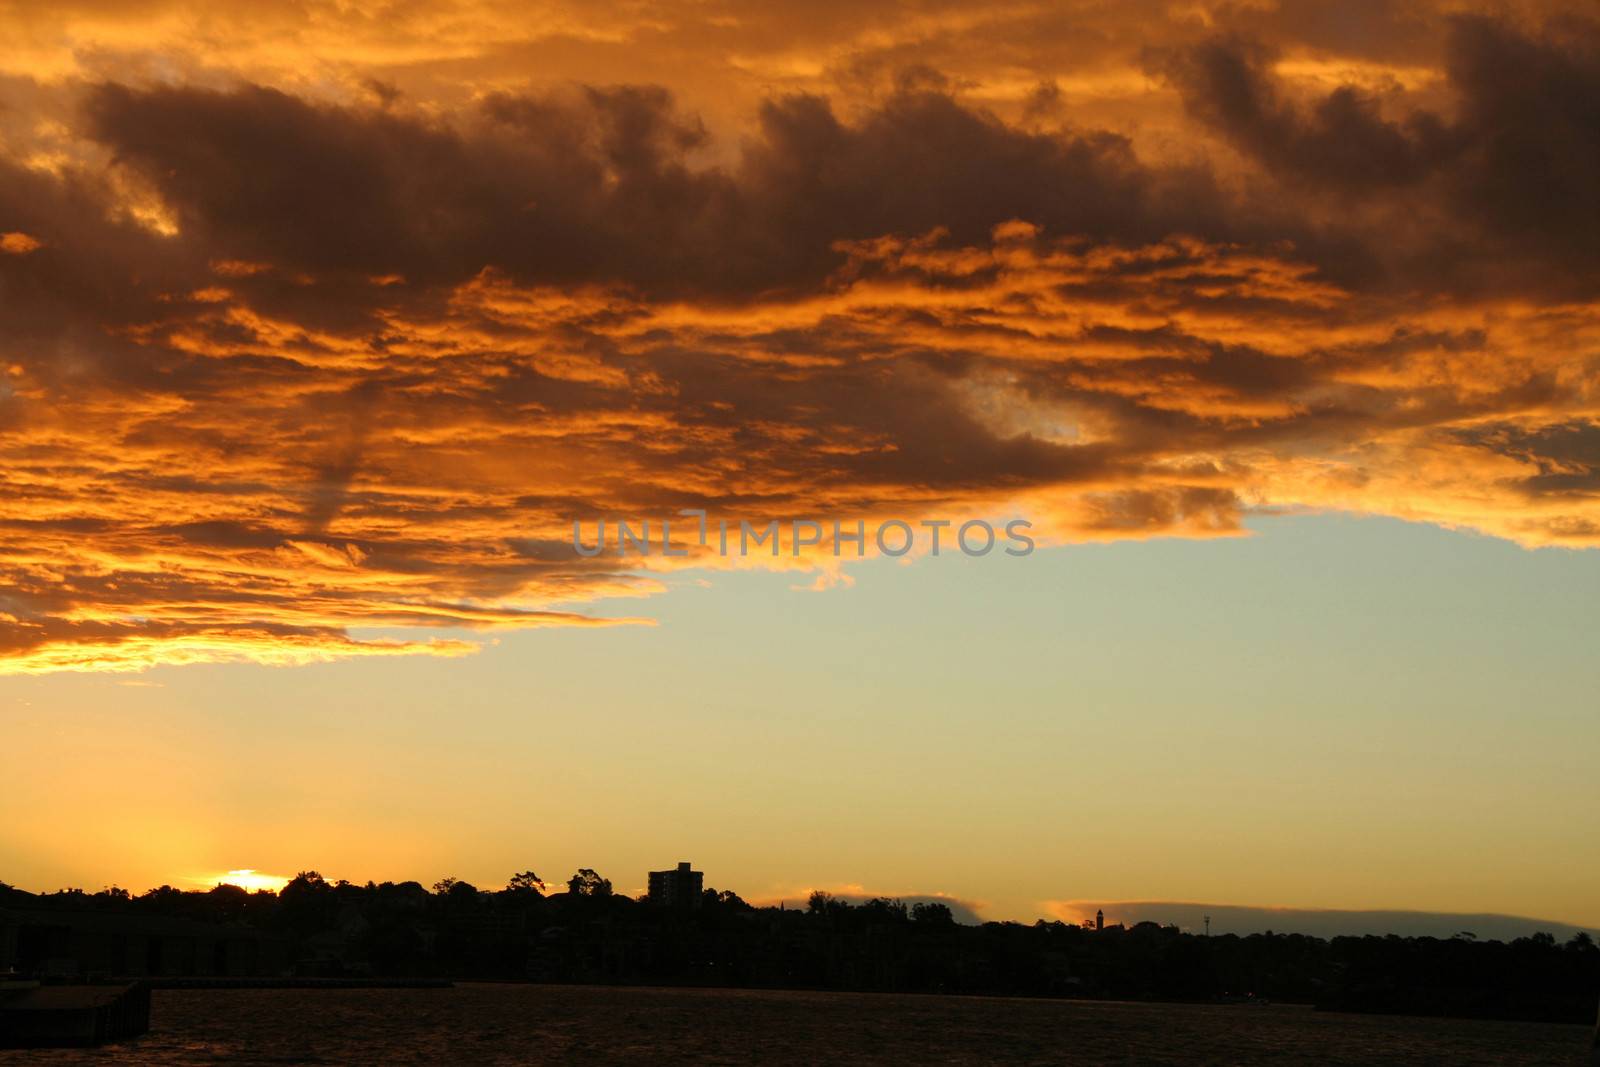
column 678, row 888
column 1099, row 919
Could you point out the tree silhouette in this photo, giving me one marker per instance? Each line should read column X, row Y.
column 526, row 882
column 587, row 883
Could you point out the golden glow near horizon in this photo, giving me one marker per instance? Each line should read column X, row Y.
column 247, row 879
column 320, row 325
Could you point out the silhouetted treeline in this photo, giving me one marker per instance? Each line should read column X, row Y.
column 585, row 932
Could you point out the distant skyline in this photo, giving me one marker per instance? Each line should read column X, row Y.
column 1188, row 915
column 322, row 326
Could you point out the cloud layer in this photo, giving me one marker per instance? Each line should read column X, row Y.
column 284, row 363
column 1317, row 922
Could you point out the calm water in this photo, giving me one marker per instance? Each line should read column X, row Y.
column 531, row 1024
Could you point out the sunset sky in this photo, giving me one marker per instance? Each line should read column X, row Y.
column 321, row 324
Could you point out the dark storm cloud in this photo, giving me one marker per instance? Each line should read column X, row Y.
column 1341, row 141
column 62, row 303
column 598, row 186
column 1511, row 169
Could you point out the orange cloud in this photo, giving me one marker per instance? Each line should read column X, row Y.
column 287, row 363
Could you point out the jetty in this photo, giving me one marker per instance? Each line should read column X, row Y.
column 34, row 1015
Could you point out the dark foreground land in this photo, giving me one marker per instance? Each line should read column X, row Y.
column 543, row 1023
